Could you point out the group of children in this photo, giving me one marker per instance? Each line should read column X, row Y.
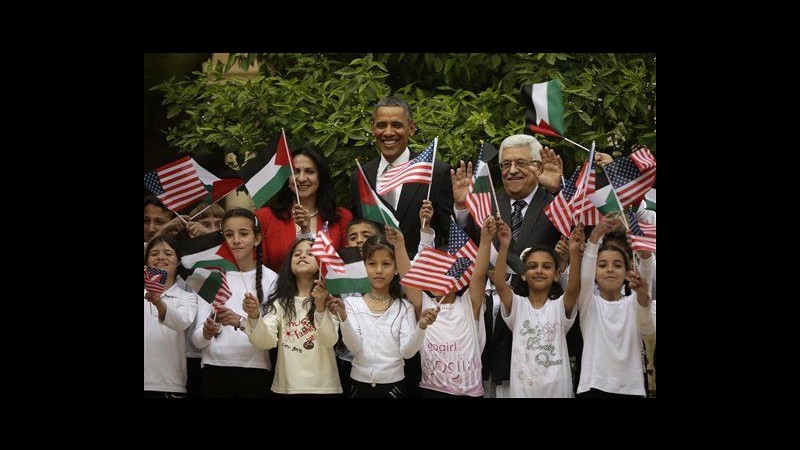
column 292, row 311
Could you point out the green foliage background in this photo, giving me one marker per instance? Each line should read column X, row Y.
column 328, row 99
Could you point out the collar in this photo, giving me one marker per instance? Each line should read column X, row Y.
column 403, row 158
column 527, row 199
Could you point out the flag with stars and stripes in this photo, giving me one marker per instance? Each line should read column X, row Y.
column 154, row 280
column 460, row 245
column 632, row 176
column 325, row 253
column 643, row 235
column 558, row 211
column 582, row 208
column 176, row 184
column 418, row 170
column 429, row 271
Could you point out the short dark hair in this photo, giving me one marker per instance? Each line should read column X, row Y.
column 394, row 102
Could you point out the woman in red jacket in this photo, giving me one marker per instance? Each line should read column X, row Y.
column 283, row 221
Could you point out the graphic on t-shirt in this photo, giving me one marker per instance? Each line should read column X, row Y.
column 541, row 342
column 295, row 334
column 445, row 364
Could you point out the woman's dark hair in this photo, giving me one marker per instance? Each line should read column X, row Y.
column 555, row 289
column 246, row 213
column 616, row 248
column 281, row 205
column 372, row 245
column 169, row 240
column 286, row 288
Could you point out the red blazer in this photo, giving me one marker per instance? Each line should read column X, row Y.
column 279, row 235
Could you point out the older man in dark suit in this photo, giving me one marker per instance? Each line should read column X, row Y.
column 530, row 174
column 392, row 126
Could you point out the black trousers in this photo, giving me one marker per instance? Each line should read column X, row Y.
column 389, row 390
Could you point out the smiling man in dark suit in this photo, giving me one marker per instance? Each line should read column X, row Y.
column 392, row 126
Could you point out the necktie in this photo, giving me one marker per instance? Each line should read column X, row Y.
column 391, row 196
column 516, row 219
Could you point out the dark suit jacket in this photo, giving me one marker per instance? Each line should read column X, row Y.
column 411, row 197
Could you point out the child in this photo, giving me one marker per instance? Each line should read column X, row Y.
column 156, row 215
column 357, row 232
column 379, row 328
column 612, row 323
column 451, row 353
column 166, row 318
column 232, row 367
column 540, row 322
column 299, row 325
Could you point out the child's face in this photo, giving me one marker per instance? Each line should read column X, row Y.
column 154, row 219
column 611, row 270
column 541, row 271
column 163, row 257
column 357, row 234
column 380, row 269
column 303, row 262
column 212, row 223
column 238, row 231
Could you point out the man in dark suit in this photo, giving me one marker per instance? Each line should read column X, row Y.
column 529, row 173
column 392, row 126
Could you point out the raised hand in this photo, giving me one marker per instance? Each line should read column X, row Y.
column 552, row 170
column 562, row 251
column 394, row 236
column 489, row 229
column 250, row 306
column 577, row 240
column 426, row 213
column 504, row 234
column 336, row 307
column 319, row 293
column 461, row 179
column 227, row 316
column 301, row 218
column 601, row 159
column 638, row 284
column 427, row 317
column 197, row 229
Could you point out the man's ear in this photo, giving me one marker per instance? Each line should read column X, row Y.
column 412, row 128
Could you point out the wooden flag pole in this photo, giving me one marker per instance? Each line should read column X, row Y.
column 433, row 164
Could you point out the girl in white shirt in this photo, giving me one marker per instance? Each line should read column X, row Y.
column 540, row 322
column 298, row 323
column 380, row 327
column 612, row 323
column 166, row 318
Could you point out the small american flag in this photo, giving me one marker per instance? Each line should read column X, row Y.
column 584, row 210
column 559, row 214
column 630, row 183
column 176, row 184
column 643, row 235
column 418, row 170
column 643, row 159
column 479, row 198
column 323, row 249
column 154, row 280
column 429, row 271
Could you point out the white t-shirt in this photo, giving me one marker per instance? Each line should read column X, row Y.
column 451, row 351
column 539, row 357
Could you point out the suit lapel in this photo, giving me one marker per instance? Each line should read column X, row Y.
column 533, row 212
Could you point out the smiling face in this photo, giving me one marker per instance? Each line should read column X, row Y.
column 306, row 175
column 519, row 180
column 611, row 270
column 391, row 129
column 540, row 272
column 238, row 231
column 303, row 262
column 162, row 256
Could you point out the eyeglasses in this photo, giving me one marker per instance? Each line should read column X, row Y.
column 522, row 164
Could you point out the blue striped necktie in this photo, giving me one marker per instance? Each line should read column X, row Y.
column 516, row 219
